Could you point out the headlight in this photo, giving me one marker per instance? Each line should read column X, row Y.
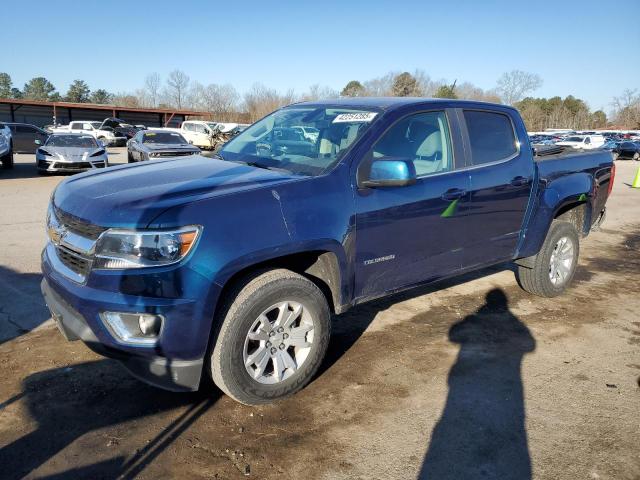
column 117, row 249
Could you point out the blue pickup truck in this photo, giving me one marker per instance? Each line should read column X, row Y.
column 229, row 268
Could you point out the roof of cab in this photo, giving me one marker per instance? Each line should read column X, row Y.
column 390, row 103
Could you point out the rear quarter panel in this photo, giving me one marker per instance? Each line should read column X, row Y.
column 576, row 178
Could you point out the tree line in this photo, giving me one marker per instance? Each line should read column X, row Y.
column 225, row 103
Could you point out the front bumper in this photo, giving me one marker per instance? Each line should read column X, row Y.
column 46, row 165
column 169, row 374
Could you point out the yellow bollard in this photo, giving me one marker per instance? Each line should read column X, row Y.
column 636, row 181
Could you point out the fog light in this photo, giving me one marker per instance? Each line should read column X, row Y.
column 150, row 325
column 133, row 328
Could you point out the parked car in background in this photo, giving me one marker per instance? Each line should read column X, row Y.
column 108, row 136
column 70, row 152
column 610, row 145
column 119, row 126
column 153, row 145
column 582, row 142
column 24, row 136
column 198, row 132
column 230, row 269
column 627, row 150
column 309, row 133
column 6, row 146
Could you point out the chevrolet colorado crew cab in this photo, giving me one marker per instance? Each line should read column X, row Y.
column 229, row 268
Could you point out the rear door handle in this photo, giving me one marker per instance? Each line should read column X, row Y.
column 454, row 194
column 519, row 181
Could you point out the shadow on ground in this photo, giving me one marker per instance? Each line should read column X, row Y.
column 481, row 433
column 22, row 307
column 97, row 395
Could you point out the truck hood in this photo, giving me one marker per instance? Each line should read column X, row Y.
column 130, row 196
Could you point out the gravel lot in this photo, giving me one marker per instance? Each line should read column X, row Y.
column 472, row 378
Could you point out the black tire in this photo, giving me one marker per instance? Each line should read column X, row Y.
column 537, row 279
column 636, row 156
column 246, row 301
column 129, row 157
column 7, row 160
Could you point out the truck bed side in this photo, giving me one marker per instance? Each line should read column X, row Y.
column 576, row 182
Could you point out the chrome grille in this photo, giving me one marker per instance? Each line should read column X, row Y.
column 79, row 226
column 73, row 261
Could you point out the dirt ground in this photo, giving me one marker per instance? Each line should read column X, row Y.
column 469, row 379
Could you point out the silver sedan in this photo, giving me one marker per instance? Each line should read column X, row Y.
column 70, row 152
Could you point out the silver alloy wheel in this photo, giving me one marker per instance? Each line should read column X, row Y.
column 561, row 261
column 278, row 342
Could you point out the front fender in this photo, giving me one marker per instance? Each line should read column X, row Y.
column 556, row 194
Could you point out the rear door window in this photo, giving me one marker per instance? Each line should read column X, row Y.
column 491, row 136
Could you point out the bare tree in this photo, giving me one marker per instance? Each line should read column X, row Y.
column 177, row 85
column 380, row 87
column 220, row 100
column 152, row 84
column 318, row 92
column 627, row 109
column 260, row 101
column 513, row 86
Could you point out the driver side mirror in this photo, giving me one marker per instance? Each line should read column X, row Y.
column 37, row 142
column 388, row 172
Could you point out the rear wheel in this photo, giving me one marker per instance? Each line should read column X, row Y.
column 273, row 337
column 551, row 271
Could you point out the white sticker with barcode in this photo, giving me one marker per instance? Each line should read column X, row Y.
column 355, row 117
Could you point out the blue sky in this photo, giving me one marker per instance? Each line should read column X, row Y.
column 585, row 48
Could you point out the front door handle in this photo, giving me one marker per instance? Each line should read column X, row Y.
column 519, row 181
column 453, row 194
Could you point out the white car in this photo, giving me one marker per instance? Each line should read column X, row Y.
column 89, row 127
column 6, row 147
column 198, row 132
column 583, row 142
column 308, row 133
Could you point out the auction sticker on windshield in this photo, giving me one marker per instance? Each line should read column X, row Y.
column 355, row 117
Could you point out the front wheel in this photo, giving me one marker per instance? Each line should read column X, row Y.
column 636, row 156
column 129, row 157
column 615, row 156
column 273, row 337
column 551, row 271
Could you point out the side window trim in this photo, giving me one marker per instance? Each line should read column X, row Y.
column 467, row 143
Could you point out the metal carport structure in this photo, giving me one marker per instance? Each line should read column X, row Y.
column 45, row 113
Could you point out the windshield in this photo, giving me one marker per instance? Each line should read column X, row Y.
column 573, row 139
column 80, row 141
column 163, row 137
column 301, row 140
